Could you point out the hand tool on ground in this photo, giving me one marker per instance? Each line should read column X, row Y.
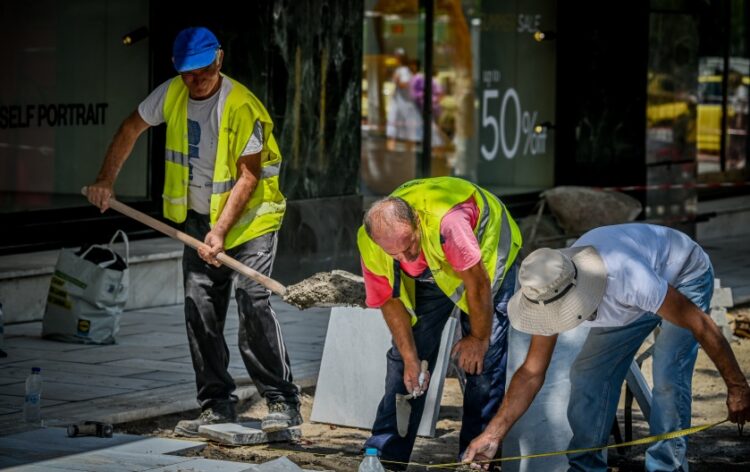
column 90, row 428
column 403, row 406
column 327, row 289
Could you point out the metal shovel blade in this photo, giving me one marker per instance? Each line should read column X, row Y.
column 403, row 412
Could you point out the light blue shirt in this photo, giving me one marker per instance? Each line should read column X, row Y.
column 641, row 261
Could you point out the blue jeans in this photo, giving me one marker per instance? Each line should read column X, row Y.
column 598, row 372
column 483, row 393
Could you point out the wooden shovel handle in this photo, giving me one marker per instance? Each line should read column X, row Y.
column 173, row 233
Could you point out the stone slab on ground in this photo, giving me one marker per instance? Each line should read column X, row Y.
column 208, row 465
column 105, row 460
column 46, row 444
column 247, row 433
column 351, row 382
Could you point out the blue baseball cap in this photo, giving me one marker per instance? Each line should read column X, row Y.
column 194, row 48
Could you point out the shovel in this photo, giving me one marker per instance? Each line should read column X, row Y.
column 403, row 405
column 325, row 289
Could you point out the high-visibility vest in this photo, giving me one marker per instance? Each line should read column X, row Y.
column 239, row 111
column 498, row 235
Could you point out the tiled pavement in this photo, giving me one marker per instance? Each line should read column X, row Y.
column 147, row 373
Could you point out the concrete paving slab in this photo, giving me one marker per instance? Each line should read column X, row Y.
column 109, row 461
column 148, row 445
column 64, row 391
column 352, row 371
column 47, row 443
column 37, row 343
column 246, row 433
column 116, row 352
column 15, row 402
column 170, row 377
column 150, row 365
column 48, row 363
column 50, row 443
column 208, row 465
column 17, row 354
column 282, row 464
column 129, row 383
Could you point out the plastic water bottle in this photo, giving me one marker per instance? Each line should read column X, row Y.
column 371, row 463
column 31, row 413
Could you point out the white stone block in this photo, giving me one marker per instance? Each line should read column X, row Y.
column 351, row 382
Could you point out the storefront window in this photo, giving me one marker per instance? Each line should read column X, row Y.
column 59, row 107
column 493, row 94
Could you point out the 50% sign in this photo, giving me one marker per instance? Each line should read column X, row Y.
column 523, row 124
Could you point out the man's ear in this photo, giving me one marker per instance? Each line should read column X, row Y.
column 219, row 58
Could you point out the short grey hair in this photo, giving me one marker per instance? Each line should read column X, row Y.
column 389, row 210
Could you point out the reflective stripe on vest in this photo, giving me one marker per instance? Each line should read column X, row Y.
column 503, row 247
column 266, row 172
column 240, row 110
column 498, row 250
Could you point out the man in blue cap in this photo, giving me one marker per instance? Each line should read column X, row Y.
column 222, row 181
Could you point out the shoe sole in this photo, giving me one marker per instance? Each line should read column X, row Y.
column 273, row 427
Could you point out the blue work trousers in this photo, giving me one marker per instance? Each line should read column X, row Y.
column 598, row 372
column 483, row 393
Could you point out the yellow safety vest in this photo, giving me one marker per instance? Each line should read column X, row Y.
column 240, row 110
column 498, row 235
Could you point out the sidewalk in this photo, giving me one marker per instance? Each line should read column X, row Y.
column 147, row 373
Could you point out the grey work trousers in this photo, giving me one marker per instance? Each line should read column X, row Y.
column 207, row 296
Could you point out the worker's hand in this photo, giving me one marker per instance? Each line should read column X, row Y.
column 469, row 353
column 738, row 404
column 99, row 194
column 411, row 378
column 482, row 448
column 215, row 243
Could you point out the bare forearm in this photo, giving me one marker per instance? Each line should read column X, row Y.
column 679, row 310
column 399, row 323
column 480, row 311
column 120, row 148
column 521, row 392
column 235, row 205
column 718, row 350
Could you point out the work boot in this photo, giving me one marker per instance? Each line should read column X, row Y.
column 208, row 416
column 281, row 415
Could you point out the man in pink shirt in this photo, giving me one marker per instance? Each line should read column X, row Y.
column 433, row 246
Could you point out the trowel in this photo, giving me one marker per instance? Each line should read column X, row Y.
column 325, row 289
column 403, row 405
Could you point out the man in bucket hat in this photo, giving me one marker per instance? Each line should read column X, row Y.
column 222, row 181
column 622, row 281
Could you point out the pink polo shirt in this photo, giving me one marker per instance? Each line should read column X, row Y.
column 459, row 244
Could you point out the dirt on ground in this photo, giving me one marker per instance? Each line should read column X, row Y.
column 328, row 447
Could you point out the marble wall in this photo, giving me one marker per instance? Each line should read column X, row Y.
column 316, row 72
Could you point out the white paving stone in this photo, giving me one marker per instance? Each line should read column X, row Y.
column 246, row 433
column 352, row 371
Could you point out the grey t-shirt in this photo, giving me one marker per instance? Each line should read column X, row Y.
column 203, row 118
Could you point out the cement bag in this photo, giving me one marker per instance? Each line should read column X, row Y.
column 87, row 294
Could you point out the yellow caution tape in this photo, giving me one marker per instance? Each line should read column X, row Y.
column 637, row 442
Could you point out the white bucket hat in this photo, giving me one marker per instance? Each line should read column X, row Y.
column 560, row 289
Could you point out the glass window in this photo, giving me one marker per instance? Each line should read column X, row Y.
column 59, row 108
column 493, row 101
